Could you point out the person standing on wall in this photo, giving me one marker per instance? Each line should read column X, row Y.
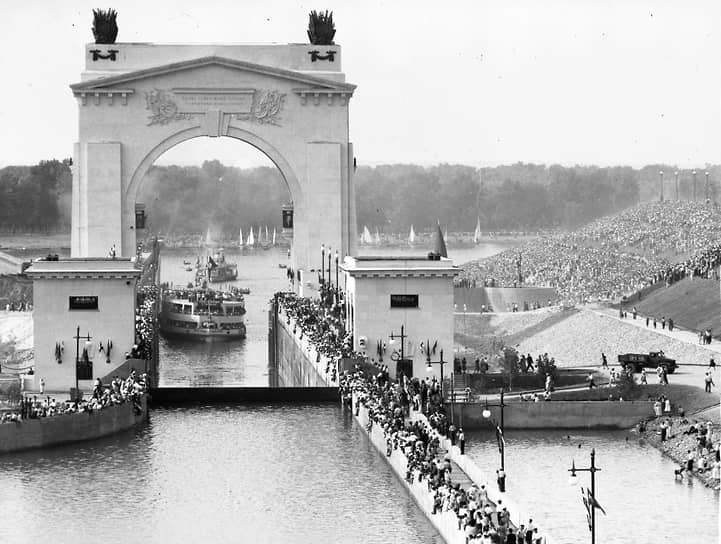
column 462, row 440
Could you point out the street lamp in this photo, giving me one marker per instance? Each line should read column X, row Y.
column 330, row 282
column 590, row 502
column 337, row 285
column 402, row 336
column 500, row 436
column 694, row 185
column 661, row 175
column 322, row 264
column 88, row 347
column 429, row 368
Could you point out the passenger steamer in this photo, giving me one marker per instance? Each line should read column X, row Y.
column 202, row 314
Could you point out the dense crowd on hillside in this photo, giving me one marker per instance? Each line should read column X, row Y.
column 614, row 256
column 117, row 392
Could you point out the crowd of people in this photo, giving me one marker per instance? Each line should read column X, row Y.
column 118, row 391
column 614, row 256
column 389, row 403
column 322, row 322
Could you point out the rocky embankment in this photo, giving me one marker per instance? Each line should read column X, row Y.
column 678, row 444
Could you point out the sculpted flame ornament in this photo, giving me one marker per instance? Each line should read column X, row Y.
column 163, row 109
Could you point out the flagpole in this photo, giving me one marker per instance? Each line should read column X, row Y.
column 590, row 502
column 593, row 492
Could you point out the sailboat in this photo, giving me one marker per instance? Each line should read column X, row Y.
column 412, row 236
column 273, row 236
column 251, row 238
column 267, row 238
column 240, row 237
column 377, row 238
column 477, row 234
column 208, row 239
column 366, row 238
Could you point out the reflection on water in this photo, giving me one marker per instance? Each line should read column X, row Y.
column 636, row 486
column 286, row 474
column 242, row 363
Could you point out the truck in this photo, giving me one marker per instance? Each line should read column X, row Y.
column 654, row 359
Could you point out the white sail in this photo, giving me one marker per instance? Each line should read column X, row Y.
column 208, row 240
column 445, row 234
column 251, row 238
column 477, row 234
column 267, row 238
column 273, row 235
column 377, row 238
column 240, row 237
column 412, row 236
column 366, row 238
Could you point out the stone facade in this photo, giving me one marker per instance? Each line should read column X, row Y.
column 113, row 282
column 142, row 100
column 373, row 317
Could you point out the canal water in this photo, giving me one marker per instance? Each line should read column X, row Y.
column 220, row 474
column 636, row 486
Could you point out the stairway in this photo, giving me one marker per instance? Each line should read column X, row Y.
column 458, row 386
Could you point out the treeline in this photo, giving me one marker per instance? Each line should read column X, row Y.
column 35, row 198
column 389, row 198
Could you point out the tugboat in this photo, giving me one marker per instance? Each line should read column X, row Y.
column 217, row 269
column 201, row 313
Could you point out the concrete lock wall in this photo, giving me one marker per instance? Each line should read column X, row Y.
column 63, row 429
column 556, row 414
column 298, row 363
column 154, row 97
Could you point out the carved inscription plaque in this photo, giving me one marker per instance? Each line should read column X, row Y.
column 228, row 101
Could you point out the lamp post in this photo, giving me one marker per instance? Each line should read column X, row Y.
column 707, row 186
column 330, row 282
column 77, row 359
column 676, row 174
column 337, row 285
column 661, row 176
column 402, row 336
column 573, row 480
column 429, row 368
column 694, row 185
column 500, row 436
column 322, row 264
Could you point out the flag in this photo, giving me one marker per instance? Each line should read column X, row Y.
column 588, row 509
column 592, row 500
column 440, row 244
column 211, row 262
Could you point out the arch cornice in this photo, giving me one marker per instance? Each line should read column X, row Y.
column 233, row 132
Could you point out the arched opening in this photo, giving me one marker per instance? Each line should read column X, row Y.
column 205, row 197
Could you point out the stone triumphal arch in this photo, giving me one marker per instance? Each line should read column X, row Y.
column 136, row 101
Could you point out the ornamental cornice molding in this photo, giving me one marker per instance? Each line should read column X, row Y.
column 97, row 95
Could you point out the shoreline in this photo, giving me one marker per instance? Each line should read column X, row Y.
column 677, row 442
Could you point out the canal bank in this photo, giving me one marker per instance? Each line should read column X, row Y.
column 46, row 432
column 464, row 472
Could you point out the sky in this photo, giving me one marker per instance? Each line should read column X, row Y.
column 474, row 82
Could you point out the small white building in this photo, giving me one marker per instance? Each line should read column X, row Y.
column 96, row 295
column 385, row 294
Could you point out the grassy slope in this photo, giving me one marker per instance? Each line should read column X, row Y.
column 693, row 304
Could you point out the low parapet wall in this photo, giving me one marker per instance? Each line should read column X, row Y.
column 62, row 429
column 557, row 414
column 500, row 299
column 10, row 264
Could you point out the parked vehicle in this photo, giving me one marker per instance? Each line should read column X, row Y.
column 654, row 359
